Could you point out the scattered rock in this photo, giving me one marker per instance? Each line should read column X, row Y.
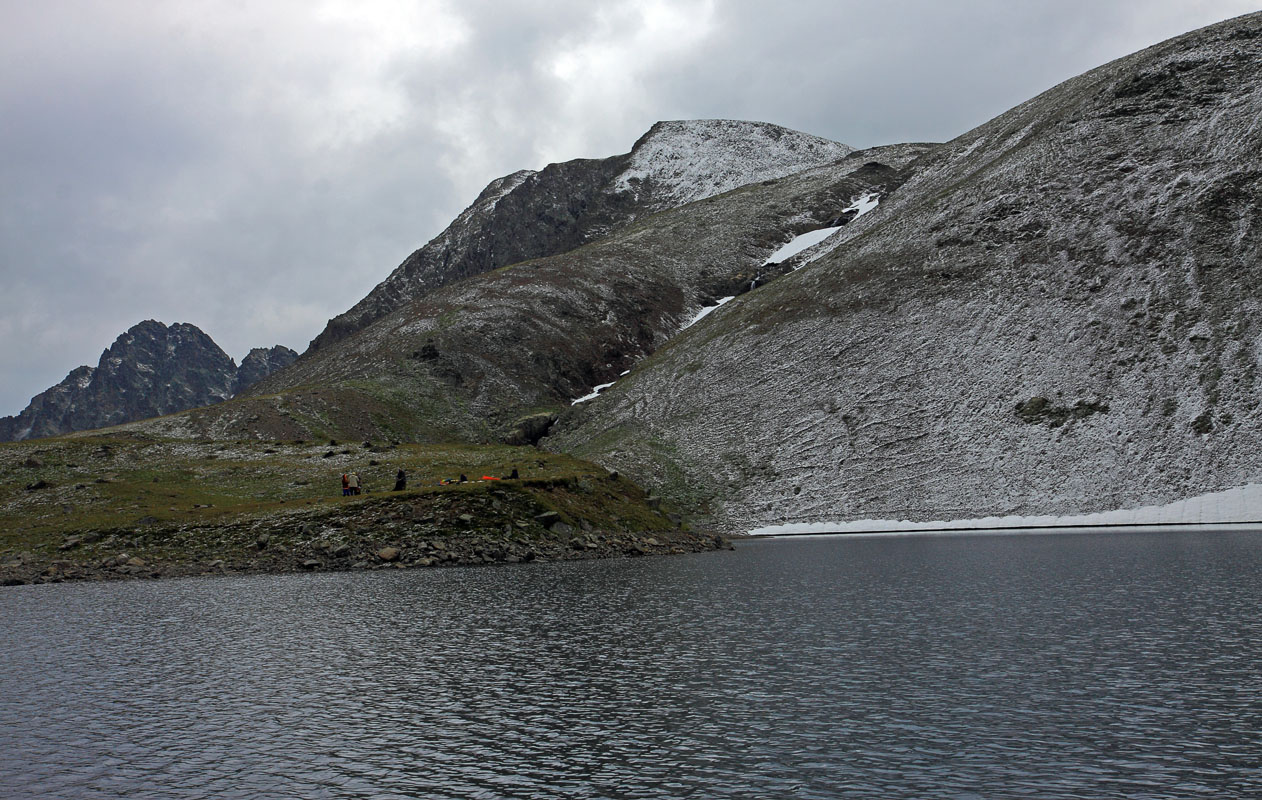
column 548, row 518
column 37, row 485
column 262, row 541
column 389, row 554
column 32, row 463
column 71, row 543
column 529, row 430
column 342, row 551
column 135, row 561
column 311, row 563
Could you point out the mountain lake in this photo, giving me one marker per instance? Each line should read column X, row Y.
column 1120, row 664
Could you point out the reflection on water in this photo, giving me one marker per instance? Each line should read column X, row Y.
column 1121, row 665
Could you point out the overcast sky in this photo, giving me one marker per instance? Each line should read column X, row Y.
column 255, row 168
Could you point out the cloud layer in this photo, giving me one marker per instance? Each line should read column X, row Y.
column 255, row 169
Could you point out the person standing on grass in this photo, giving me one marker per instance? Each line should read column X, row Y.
column 354, row 483
column 400, row 481
column 346, row 484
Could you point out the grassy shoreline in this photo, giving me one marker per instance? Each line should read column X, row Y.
column 106, row 507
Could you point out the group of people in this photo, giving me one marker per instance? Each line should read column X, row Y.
column 351, row 484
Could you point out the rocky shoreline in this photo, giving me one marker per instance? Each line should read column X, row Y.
column 513, row 522
column 454, row 550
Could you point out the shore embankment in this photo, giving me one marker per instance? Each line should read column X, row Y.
column 124, row 508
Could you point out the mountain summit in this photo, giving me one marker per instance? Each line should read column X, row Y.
column 530, row 214
column 1058, row 312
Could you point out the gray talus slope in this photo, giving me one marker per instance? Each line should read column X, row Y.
column 532, row 214
column 467, row 360
column 1059, row 312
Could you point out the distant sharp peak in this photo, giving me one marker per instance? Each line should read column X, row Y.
column 151, row 332
column 150, row 369
column 682, row 161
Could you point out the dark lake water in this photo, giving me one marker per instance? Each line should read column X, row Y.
column 966, row 666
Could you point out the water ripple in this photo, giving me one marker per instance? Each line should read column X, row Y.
column 927, row 667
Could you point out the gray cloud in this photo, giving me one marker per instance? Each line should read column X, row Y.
column 256, row 168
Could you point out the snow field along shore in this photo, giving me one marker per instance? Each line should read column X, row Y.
column 1241, row 505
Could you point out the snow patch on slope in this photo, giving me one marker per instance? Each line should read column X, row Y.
column 683, row 161
column 805, row 241
column 800, row 243
column 1242, row 504
column 705, row 312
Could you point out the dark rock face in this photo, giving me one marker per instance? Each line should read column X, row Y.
column 149, row 371
column 259, row 363
column 49, row 405
column 528, row 214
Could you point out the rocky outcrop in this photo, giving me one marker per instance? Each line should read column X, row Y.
column 528, row 214
column 259, row 363
column 149, row 371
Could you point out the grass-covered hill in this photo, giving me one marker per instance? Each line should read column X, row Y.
column 114, row 506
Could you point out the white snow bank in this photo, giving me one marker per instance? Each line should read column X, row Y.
column 705, row 312
column 800, row 243
column 863, row 205
column 596, row 390
column 1242, row 504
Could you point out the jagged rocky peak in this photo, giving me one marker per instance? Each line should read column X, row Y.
column 529, row 215
column 682, row 161
column 148, row 371
column 261, row 362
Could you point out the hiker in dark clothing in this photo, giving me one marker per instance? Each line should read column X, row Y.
column 400, row 481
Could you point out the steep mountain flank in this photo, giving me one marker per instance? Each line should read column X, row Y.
column 1059, row 312
column 149, row 370
column 476, row 359
column 530, row 214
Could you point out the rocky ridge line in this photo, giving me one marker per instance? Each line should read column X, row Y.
column 529, row 215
